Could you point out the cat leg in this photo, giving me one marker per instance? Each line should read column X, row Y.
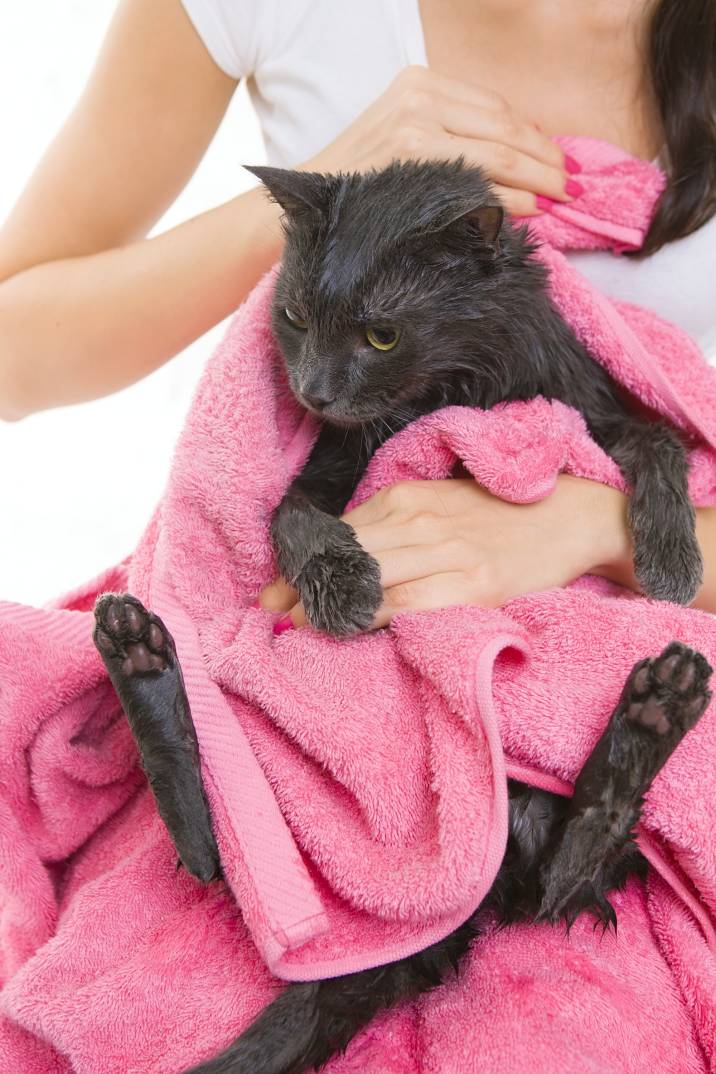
column 667, row 558
column 337, row 580
column 534, row 817
column 594, row 851
column 309, row 1022
column 138, row 652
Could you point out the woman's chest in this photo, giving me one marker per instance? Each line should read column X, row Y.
column 571, row 68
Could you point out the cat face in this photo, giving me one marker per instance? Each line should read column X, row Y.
column 384, row 279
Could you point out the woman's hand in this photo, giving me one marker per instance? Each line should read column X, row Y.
column 425, row 115
column 449, row 542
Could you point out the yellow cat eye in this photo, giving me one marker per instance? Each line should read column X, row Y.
column 295, row 320
column 383, row 339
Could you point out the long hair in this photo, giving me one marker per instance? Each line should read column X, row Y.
column 681, row 62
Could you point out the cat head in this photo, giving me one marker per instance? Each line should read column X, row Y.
column 386, row 281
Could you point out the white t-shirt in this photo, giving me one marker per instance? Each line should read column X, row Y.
column 314, row 65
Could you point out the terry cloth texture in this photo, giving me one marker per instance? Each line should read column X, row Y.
column 358, row 787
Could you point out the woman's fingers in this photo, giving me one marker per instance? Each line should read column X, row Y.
column 511, row 167
column 277, row 597
column 415, row 502
column 402, row 564
column 423, row 116
column 502, row 127
column 426, row 594
column 443, row 590
column 424, row 89
column 471, row 111
column 518, row 202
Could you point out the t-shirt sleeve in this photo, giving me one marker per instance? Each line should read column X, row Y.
column 230, row 30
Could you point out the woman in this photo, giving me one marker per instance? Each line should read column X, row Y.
column 345, row 86
column 342, row 86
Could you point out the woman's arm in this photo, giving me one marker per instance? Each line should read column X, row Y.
column 706, row 533
column 451, row 542
column 86, row 307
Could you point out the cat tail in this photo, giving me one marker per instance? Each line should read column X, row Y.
column 311, row 1021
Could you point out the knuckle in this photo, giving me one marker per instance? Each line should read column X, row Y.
column 426, row 518
column 456, row 549
column 400, row 596
column 412, row 141
column 413, row 75
column 395, row 496
column 484, row 583
column 511, row 126
column 506, row 158
column 415, row 102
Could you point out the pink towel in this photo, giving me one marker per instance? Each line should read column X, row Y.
column 358, row 787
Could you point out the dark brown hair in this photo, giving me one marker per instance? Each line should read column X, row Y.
column 681, row 58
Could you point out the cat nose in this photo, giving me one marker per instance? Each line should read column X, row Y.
column 318, row 388
column 316, row 402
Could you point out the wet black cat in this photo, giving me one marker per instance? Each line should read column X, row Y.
column 406, row 290
column 402, row 291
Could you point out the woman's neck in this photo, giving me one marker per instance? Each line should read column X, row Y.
column 571, row 67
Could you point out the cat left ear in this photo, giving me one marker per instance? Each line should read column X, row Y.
column 294, row 191
column 488, row 221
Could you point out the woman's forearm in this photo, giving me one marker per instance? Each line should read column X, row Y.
column 75, row 329
column 706, row 534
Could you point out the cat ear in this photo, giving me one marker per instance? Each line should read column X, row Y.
column 488, row 220
column 294, row 191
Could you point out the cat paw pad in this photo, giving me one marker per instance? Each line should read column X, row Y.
column 130, row 637
column 668, row 693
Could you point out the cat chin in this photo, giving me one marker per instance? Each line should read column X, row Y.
column 345, row 421
column 351, row 422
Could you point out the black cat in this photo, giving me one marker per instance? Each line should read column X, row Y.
column 406, row 290
column 402, row 291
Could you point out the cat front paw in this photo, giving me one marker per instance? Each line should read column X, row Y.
column 667, row 558
column 340, row 585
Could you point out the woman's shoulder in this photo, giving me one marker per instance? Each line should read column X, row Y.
column 232, row 30
column 240, row 35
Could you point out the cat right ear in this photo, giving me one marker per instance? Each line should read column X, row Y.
column 294, row 191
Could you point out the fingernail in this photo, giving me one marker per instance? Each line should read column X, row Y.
column 544, row 203
column 283, row 625
column 573, row 166
column 573, row 188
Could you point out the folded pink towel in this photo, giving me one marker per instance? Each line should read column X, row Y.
column 358, row 787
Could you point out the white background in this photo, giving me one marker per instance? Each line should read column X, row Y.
column 68, row 506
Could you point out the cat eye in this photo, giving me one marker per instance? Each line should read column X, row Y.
column 296, row 321
column 383, row 339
